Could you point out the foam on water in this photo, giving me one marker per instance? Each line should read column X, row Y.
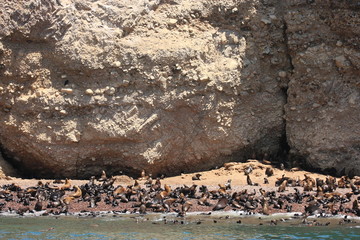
column 237, row 213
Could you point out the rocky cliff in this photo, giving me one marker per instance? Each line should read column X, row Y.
column 173, row 86
column 323, row 110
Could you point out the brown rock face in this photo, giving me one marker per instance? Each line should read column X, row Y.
column 323, row 110
column 171, row 86
column 130, row 85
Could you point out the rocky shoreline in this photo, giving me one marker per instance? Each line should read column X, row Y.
column 282, row 192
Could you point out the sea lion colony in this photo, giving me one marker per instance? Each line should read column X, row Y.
column 311, row 196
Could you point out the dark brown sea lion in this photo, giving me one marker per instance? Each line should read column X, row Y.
column 221, row 204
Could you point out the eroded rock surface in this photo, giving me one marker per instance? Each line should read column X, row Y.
column 168, row 86
column 323, row 110
column 172, row 86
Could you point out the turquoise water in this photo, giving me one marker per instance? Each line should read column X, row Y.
column 127, row 227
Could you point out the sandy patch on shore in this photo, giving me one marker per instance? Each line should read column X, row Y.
column 233, row 171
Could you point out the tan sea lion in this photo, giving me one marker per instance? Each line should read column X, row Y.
column 265, row 207
column 282, row 187
column 78, row 192
column 68, row 199
column 66, row 186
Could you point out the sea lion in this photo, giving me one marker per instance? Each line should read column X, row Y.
column 309, row 179
column 248, row 170
column 319, row 191
column 355, row 205
column 119, row 190
column 136, row 187
column 196, row 177
column 354, row 188
column 204, row 199
column 348, row 195
column 221, row 190
column 142, row 175
column 312, row 208
column 149, row 181
column 342, row 182
column 331, row 183
column 288, row 208
column 273, row 222
column 269, row 172
column 221, row 204
column 282, row 187
column 265, row 206
column 31, row 190
column 92, row 203
column 157, row 185
column 186, row 206
column 78, row 192
column 249, row 205
column 319, row 182
column 102, row 177
column 168, row 203
column 282, row 166
column 235, row 204
column 266, row 181
column 66, row 186
column 228, row 185
column 166, row 192
column 308, row 186
column 38, row 205
column 188, row 191
column 68, row 199
column 192, row 191
column 262, row 192
column 248, row 180
column 91, row 181
column 41, row 194
column 142, row 209
column 22, row 210
column 108, row 183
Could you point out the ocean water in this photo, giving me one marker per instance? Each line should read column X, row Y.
column 154, row 227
